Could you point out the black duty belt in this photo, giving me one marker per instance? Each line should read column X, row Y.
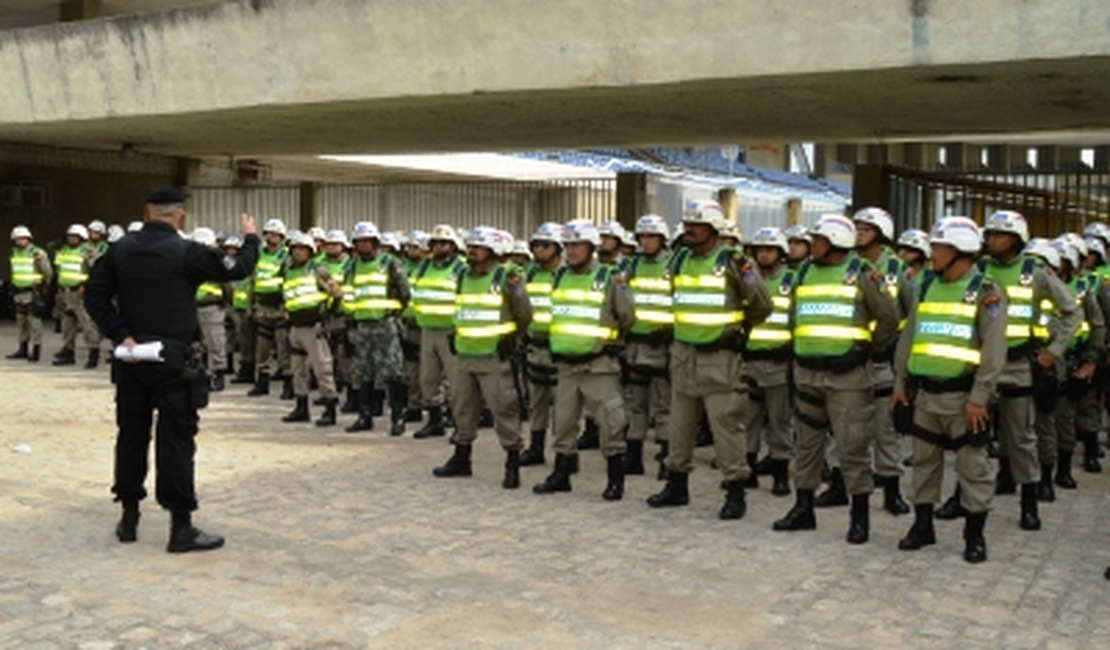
column 960, row 384
column 835, row 365
column 778, row 355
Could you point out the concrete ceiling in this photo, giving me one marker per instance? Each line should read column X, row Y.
column 24, row 13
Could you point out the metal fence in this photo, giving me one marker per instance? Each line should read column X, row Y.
column 1052, row 201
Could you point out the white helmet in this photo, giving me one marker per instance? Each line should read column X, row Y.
column 799, row 232
column 653, row 224
column 418, row 238
column 233, row 242
column 878, row 218
column 98, row 226
column 960, row 233
column 21, row 231
column 365, row 230
column 732, row 229
column 204, row 236
column 520, row 247
column 303, row 239
column 1072, row 239
column 548, row 232
column 772, row 237
column 1097, row 229
column 276, row 226
column 1043, row 248
column 135, row 226
column 79, row 230
column 611, row 228
column 837, row 228
column 337, row 237
column 115, row 233
column 1067, row 251
column 707, row 212
column 485, row 237
column 918, row 240
column 628, row 238
column 1008, row 221
column 443, row 232
column 391, row 240
column 316, row 232
column 581, row 230
column 1095, row 245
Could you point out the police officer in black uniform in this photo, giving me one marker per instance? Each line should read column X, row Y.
column 153, row 275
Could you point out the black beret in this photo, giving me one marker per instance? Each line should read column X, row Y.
column 167, row 195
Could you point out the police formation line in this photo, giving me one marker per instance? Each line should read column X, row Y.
column 826, row 343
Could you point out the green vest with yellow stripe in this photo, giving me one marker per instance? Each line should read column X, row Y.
column 301, row 289
column 25, row 272
column 479, row 324
column 649, row 282
column 774, row 333
column 433, row 293
column 825, row 309
column 700, row 299
column 70, row 261
column 209, row 293
column 577, row 305
column 366, row 289
column 267, row 271
column 1017, row 279
column 943, row 336
column 538, row 285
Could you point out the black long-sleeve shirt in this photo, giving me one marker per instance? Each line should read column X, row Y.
column 154, row 275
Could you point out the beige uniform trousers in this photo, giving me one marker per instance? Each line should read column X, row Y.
column 648, row 390
column 769, row 409
column 541, row 375
column 309, row 350
column 213, row 336
column 271, row 350
column 437, row 365
column 943, row 414
column 594, row 386
column 887, row 448
column 845, row 403
column 488, row 380
column 29, row 325
column 1017, row 436
column 74, row 317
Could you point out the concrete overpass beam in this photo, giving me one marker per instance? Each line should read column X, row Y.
column 631, row 197
column 71, row 10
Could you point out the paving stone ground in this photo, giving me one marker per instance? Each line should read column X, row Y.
column 344, row 541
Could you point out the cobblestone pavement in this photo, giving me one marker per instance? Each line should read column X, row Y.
column 339, row 540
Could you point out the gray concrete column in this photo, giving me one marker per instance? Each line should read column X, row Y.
column 729, row 205
column 1102, row 158
column 868, row 187
column 308, row 216
column 821, row 160
column 793, row 211
column 999, row 158
column 631, row 197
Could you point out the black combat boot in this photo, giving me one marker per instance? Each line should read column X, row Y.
column 975, row 545
column 93, row 360
column 753, row 477
column 350, row 405
column 229, row 362
column 328, row 418
column 836, row 494
column 1045, row 492
column 1030, row 519
column 512, row 470
column 36, row 354
column 398, row 398
column 1091, row 463
column 634, row 458
column 921, row 533
column 287, row 388
column 457, row 465
column 952, row 509
column 245, row 374
column 559, row 480
column 216, row 383
column 765, row 467
column 185, row 538
column 661, row 458
column 675, row 493
column 1064, row 478
column 800, row 516
column 127, row 530
column 261, row 387
column 590, row 437
column 859, row 529
column 365, row 421
column 780, row 473
column 533, row 455
column 300, row 412
column 66, row 357
column 892, row 495
column 377, row 402
column 413, row 415
column 1004, row 482
column 21, row 353
column 433, row 428
column 736, row 505
column 614, row 489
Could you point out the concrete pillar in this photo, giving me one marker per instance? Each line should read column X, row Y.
column 1068, row 158
column 71, row 10
column 955, row 156
column 868, row 188
column 876, row 154
column 999, row 158
column 847, row 153
column 1048, row 158
column 821, row 160
column 729, row 205
column 631, row 197
column 307, row 217
column 1102, row 158
column 793, row 211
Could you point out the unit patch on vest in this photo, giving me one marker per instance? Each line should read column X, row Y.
column 993, row 305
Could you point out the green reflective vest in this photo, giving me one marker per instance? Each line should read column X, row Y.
column 209, row 292
column 337, row 269
column 649, row 283
column 71, row 266
column 577, row 305
column 825, row 309
column 538, row 285
column 301, row 289
column 366, row 289
column 700, row 298
column 433, row 293
column 267, row 271
column 1017, row 279
column 240, row 294
column 944, row 329
column 25, row 273
column 479, row 325
column 1080, row 286
column 774, row 333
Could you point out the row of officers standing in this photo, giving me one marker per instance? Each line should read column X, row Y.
column 825, row 343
